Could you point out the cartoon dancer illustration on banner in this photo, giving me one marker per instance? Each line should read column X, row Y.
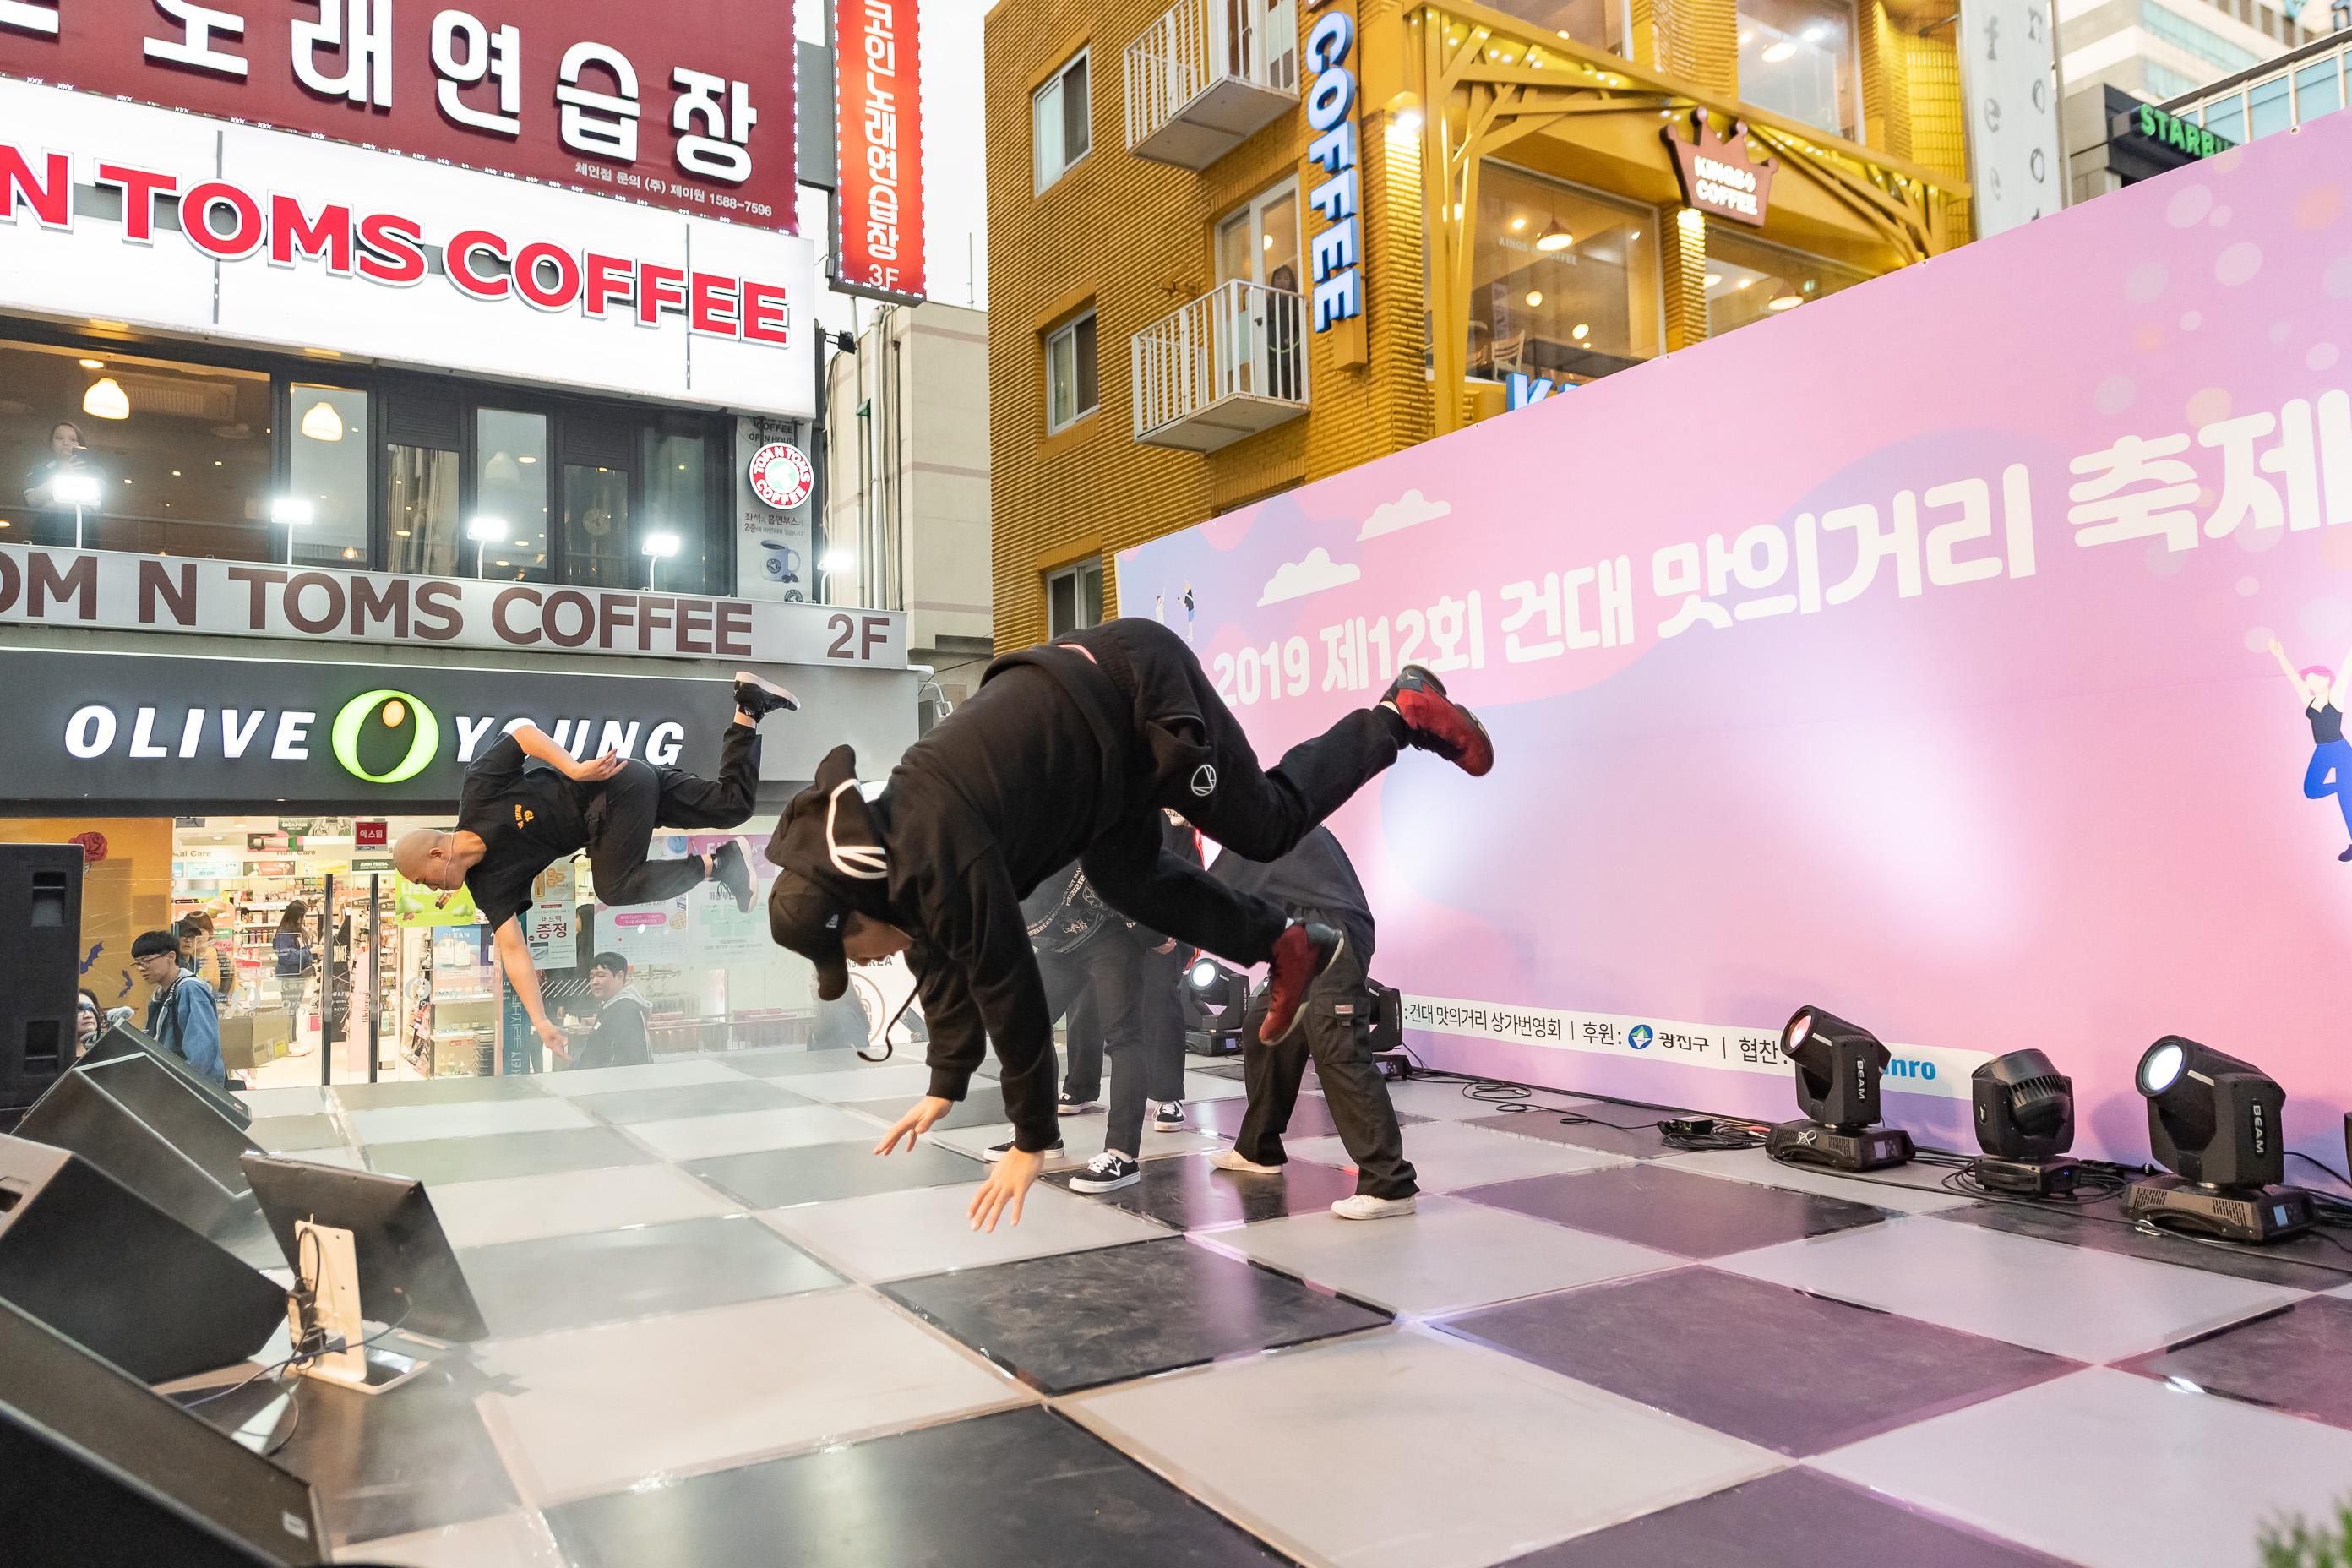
column 1188, row 614
column 2330, row 772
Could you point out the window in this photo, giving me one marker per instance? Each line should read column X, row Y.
column 1595, row 24
column 2317, row 91
column 424, row 486
column 1564, row 284
column 2161, row 22
column 1259, row 244
column 1074, row 598
column 1059, row 116
column 1747, row 280
column 507, row 530
column 2268, row 112
column 2227, row 117
column 327, row 470
column 1796, row 58
column 676, row 498
column 1072, row 390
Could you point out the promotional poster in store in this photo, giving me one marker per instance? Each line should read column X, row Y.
column 1987, row 709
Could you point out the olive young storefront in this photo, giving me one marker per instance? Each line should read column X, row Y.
column 370, row 396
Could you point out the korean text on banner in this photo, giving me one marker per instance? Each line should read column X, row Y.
column 877, row 55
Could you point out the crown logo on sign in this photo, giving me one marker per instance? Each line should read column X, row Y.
column 1719, row 174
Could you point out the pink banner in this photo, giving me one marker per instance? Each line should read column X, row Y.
column 1909, row 654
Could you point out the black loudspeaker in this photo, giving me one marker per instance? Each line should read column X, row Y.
column 123, row 1040
column 98, row 1471
column 110, row 1270
column 143, row 1126
column 40, row 964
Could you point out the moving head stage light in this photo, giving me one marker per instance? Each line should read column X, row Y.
column 1838, row 1067
column 1215, row 1001
column 2025, row 1120
column 2215, row 1120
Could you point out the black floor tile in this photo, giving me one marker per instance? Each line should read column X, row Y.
column 1697, row 1217
column 412, row 1457
column 1836, row 1374
column 1607, row 1131
column 982, row 1104
column 627, row 1105
column 1081, row 1318
column 570, row 1281
column 819, row 1172
column 1793, row 1519
column 2308, row 1262
column 294, row 1134
column 435, row 1161
column 1188, row 1193
column 1001, row 1491
column 458, row 1091
column 1309, row 1118
column 2299, row 1360
column 793, row 1064
column 1217, row 1066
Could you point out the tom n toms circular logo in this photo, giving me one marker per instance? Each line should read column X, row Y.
column 385, row 737
column 780, row 476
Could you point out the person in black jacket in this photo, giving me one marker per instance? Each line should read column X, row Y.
column 1315, row 882
column 1069, row 751
column 619, row 1038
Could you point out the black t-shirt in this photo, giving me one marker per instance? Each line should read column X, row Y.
column 529, row 820
column 2327, row 724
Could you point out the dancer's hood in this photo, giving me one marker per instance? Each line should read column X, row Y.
column 830, row 860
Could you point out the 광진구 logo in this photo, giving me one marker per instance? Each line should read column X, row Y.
column 1639, row 1036
column 391, row 729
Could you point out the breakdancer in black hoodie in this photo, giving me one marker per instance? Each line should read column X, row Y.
column 1069, row 750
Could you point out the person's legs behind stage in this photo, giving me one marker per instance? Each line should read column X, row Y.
column 641, row 798
column 1082, row 1049
column 1115, row 969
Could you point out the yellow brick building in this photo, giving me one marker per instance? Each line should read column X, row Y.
column 1235, row 247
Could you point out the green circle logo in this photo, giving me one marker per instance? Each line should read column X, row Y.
column 394, row 712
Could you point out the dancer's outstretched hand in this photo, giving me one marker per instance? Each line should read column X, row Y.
column 604, row 767
column 1007, row 1184
column 915, row 1123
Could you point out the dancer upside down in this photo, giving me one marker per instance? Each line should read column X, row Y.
column 1069, row 750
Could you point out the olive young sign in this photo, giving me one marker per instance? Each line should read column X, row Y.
column 97, row 588
column 118, row 211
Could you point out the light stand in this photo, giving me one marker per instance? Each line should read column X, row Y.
column 291, row 512
column 485, row 531
column 1838, row 1067
column 79, row 489
column 658, row 546
column 323, row 1309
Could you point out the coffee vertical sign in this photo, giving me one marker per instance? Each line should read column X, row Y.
column 774, row 481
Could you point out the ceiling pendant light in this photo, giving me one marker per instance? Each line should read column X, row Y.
column 323, row 422
column 105, row 399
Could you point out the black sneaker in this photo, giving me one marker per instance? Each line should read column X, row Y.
column 1437, row 723
column 1171, row 1118
column 996, row 1152
column 1071, row 1105
column 761, row 698
column 1106, row 1172
column 729, row 867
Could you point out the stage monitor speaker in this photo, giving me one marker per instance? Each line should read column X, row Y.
column 100, row 1471
column 40, row 965
column 123, row 1040
column 131, row 1119
column 102, row 1266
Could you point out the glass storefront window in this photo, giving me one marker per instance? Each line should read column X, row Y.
column 1747, row 280
column 2227, row 117
column 171, row 458
column 598, row 546
column 510, row 495
column 1596, row 24
column 1564, row 284
column 328, row 470
column 2268, row 111
column 2318, row 90
column 1796, row 58
column 677, row 495
column 421, row 500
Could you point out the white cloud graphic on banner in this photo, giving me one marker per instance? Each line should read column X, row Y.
column 1297, row 579
column 1403, row 512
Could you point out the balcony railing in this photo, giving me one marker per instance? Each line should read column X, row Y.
column 1205, row 76
column 1231, row 363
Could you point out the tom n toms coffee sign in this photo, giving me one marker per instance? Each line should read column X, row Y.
column 98, row 588
column 1717, row 174
column 781, row 475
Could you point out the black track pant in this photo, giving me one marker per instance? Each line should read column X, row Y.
column 1144, row 1040
column 1209, row 774
column 1339, row 1019
column 641, row 798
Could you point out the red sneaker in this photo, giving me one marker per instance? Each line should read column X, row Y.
column 1302, row 952
column 1439, row 723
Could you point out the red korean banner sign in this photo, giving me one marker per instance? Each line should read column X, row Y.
column 688, row 109
column 878, row 251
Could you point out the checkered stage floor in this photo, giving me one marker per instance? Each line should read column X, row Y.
column 724, row 1334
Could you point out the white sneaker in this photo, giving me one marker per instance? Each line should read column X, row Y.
column 1226, row 1159
column 1363, row 1205
column 1106, row 1172
column 996, row 1152
column 1171, row 1118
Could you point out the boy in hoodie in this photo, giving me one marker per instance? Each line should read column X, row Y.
column 1070, row 750
column 619, row 1038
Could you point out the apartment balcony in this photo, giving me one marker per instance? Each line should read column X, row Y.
column 1231, row 363
column 1207, row 75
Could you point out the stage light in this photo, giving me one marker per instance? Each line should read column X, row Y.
column 75, row 490
column 1215, row 1001
column 2025, row 1120
column 2214, row 1121
column 1204, row 975
column 1838, row 1066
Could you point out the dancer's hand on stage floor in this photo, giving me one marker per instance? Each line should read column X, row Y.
column 603, row 767
column 915, row 1123
column 1007, row 1185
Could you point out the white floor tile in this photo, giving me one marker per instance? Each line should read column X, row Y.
column 1881, row 1189
column 2069, row 1301
column 652, row 1075
column 1501, row 1456
column 896, row 1236
column 307, row 1099
column 1444, row 1101
column 2111, row 1470
column 911, row 1078
column 601, row 1408
column 737, row 1132
column 1082, row 1140
column 473, row 1119
column 1447, row 1156
column 522, row 1208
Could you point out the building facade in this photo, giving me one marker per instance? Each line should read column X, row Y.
column 1239, row 247
column 906, row 474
